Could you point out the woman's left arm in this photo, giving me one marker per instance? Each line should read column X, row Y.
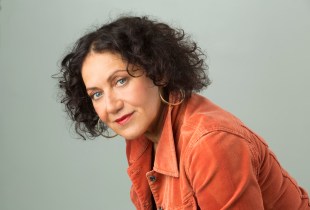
column 220, row 168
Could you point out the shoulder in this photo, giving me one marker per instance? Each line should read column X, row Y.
column 213, row 133
column 202, row 116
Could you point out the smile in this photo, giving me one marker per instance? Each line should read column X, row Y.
column 124, row 119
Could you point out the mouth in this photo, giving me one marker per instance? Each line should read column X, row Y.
column 124, row 119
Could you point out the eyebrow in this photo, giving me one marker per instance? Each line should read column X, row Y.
column 108, row 79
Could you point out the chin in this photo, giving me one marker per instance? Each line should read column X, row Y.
column 131, row 135
column 131, row 132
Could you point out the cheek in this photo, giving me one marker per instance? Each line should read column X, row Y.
column 145, row 101
column 100, row 111
column 151, row 100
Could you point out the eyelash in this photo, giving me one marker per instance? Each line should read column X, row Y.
column 123, row 80
column 92, row 96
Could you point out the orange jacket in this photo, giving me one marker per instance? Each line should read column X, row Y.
column 207, row 159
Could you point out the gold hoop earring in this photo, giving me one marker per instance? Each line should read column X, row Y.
column 182, row 96
column 98, row 128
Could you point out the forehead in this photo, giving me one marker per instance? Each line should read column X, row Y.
column 101, row 64
column 102, row 61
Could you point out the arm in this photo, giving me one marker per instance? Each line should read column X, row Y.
column 220, row 169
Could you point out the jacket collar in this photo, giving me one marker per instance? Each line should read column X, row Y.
column 165, row 161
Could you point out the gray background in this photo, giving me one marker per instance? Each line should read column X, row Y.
column 258, row 53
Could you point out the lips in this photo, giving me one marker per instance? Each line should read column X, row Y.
column 124, row 119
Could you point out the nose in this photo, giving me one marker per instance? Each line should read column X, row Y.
column 113, row 103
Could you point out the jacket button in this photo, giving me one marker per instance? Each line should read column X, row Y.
column 152, row 178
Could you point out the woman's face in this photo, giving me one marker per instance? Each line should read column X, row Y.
column 131, row 106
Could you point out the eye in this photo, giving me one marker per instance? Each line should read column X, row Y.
column 121, row 82
column 96, row 95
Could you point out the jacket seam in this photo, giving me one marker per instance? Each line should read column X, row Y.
column 203, row 132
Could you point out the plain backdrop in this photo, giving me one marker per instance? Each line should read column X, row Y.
column 258, row 56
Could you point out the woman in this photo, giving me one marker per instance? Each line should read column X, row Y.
column 137, row 77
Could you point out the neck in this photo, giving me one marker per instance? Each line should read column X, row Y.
column 155, row 133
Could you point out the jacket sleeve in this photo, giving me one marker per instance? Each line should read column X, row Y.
column 220, row 169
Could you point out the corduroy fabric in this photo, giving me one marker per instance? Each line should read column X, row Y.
column 208, row 159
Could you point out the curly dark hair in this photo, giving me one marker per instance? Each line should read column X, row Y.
column 167, row 55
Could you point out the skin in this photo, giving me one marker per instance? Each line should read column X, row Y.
column 131, row 106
